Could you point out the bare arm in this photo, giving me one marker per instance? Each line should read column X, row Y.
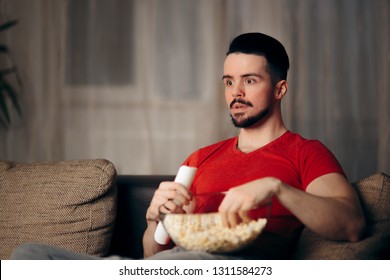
column 150, row 246
column 329, row 207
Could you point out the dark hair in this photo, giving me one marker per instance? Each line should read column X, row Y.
column 263, row 45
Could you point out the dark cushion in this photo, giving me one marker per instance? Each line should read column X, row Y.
column 134, row 195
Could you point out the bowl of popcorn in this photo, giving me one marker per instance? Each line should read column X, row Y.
column 206, row 232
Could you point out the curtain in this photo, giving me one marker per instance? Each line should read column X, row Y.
column 139, row 82
column 36, row 44
column 340, row 84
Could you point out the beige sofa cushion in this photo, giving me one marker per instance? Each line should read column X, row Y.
column 374, row 194
column 70, row 204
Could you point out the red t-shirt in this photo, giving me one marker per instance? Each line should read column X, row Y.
column 292, row 159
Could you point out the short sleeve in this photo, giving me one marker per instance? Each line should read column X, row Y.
column 315, row 160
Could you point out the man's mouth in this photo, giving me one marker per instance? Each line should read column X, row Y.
column 238, row 103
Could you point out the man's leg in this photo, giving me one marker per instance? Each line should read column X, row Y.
column 178, row 253
column 34, row 251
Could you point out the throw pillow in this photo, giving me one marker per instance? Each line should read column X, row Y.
column 70, row 204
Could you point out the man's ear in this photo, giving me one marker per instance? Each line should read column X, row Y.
column 281, row 89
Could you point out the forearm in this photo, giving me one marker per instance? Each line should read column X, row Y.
column 150, row 246
column 337, row 218
column 170, row 197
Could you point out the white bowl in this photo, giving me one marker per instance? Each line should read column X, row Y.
column 205, row 232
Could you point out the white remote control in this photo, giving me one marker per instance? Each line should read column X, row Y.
column 184, row 176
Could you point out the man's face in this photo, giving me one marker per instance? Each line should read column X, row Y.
column 248, row 88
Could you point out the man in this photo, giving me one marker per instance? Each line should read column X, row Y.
column 264, row 163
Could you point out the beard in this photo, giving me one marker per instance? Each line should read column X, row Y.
column 240, row 121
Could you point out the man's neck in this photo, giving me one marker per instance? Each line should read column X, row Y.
column 253, row 138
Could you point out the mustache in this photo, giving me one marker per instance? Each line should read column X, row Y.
column 241, row 101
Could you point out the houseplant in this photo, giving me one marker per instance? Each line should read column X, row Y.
column 8, row 93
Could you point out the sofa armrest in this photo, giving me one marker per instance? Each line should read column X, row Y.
column 69, row 204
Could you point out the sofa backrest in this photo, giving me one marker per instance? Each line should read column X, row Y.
column 135, row 193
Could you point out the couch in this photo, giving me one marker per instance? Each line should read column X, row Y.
column 85, row 206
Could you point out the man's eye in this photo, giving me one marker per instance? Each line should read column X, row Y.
column 250, row 81
column 229, row 83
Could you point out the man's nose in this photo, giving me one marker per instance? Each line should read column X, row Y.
column 238, row 91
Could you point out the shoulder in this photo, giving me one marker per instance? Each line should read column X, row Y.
column 313, row 159
column 303, row 146
column 200, row 155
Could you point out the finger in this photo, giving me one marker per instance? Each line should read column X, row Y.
column 164, row 209
column 171, row 207
column 159, row 198
column 168, row 190
column 179, row 210
column 179, row 188
column 230, row 219
column 180, row 200
column 224, row 219
column 244, row 216
column 226, row 204
column 227, row 211
column 164, row 194
column 233, row 219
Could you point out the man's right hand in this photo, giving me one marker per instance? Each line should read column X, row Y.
column 170, row 197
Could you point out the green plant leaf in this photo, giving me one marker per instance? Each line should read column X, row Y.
column 3, row 123
column 3, row 48
column 13, row 96
column 6, row 89
column 7, row 71
column 3, row 107
column 8, row 24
